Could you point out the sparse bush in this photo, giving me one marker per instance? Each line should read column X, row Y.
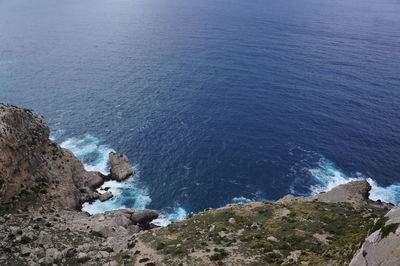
column 386, row 230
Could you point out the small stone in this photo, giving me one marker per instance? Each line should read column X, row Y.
column 212, row 228
column 82, row 255
column 232, row 220
column 272, row 238
column 255, row 226
column 105, row 196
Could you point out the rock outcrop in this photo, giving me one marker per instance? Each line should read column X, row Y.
column 355, row 192
column 28, row 157
column 382, row 247
column 120, row 167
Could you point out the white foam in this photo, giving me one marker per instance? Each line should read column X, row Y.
column 328, row 176
column 127, row 194
column 241, row 200
column 165, row 218
column 56, row 134
column 89, row 146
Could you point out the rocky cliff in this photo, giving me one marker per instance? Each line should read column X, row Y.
column 42, row 187
column 30, row 162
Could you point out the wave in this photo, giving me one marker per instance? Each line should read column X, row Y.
column 166, row 217
column 130, row 193
column 325, row 175
column 241, row 200
column 89, row 150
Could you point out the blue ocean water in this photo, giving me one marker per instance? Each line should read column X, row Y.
column 213, row 101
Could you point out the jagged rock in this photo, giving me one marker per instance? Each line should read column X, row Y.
column 105, row 196
column 120, row 167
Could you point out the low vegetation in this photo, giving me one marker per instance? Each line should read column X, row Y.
column 268, row 233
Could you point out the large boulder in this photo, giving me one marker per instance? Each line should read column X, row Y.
column 382, row 247
column 356, row 192
column 120, row 167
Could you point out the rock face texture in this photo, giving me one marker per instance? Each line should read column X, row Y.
column 382, row 247
column 120, row 167
column 28, row 155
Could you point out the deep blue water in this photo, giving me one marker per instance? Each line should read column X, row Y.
column 214, row 101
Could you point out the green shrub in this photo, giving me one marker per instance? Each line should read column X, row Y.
column 25, row 240
column 386, row 230
column 83, row 260
column 160, row 245
column 108, row 249
column 219, row 256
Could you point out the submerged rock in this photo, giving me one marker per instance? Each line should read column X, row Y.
column 120, row 167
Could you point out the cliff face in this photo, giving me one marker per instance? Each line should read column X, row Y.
column 42, row 188
column 28, row 157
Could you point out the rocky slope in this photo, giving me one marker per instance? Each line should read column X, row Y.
column 42, row 187
column 325, row 229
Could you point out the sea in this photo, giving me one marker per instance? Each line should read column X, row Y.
column 213, row 101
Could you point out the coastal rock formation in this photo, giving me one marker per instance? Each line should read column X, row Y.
column 28, row 159
column 382, row 247
column 42, row 188
column 120, row 167
column 324, row 229
column 355, row 192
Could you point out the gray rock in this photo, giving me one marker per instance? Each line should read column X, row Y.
column 44, row 238
column 255, row 226
column 232, row 220
column 120, row 167
column 144, row 217
column 381, row 251
column 105, row 196
column 272, row 238
column 53, row 253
